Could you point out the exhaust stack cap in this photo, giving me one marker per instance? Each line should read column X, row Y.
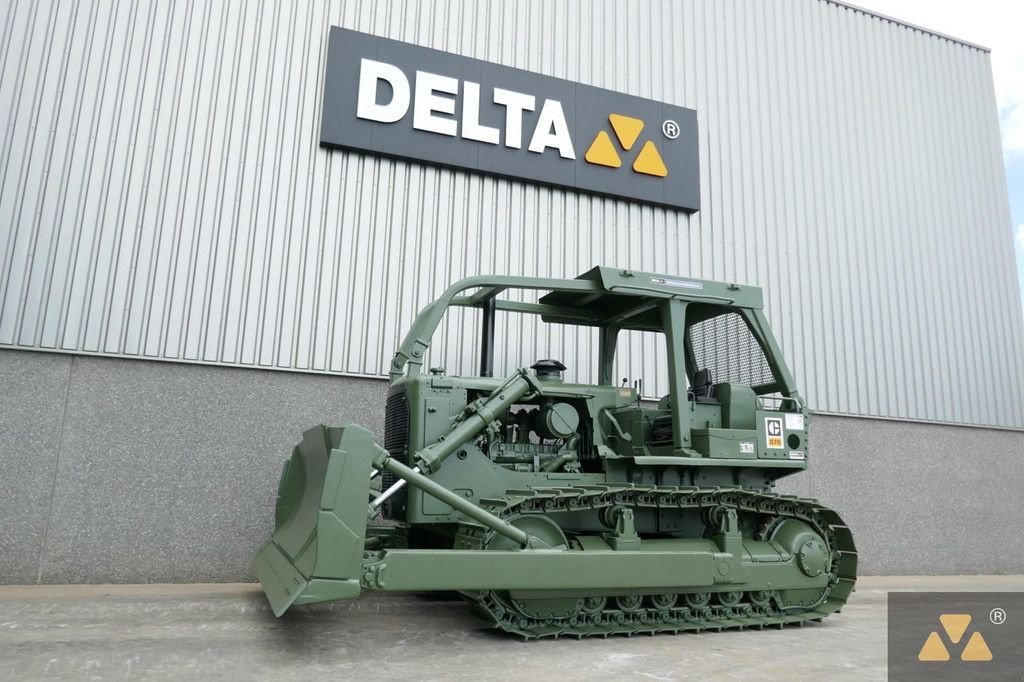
column 548, row 370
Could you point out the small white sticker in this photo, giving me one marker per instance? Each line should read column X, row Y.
column 747, row 448
column 796, row 454
column 773, row 432
column 794, row 421
column 681, row 283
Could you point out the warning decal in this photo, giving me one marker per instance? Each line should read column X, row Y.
column 773, row 431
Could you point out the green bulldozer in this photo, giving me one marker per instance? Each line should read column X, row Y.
column 564, row 509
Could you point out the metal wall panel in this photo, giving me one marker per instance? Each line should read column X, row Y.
column 162, row 193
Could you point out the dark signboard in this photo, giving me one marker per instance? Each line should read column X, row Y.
column 387, row 97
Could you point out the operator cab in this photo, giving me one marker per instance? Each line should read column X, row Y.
column 727, row 372
column 726, row 377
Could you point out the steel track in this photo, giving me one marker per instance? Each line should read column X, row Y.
column 755, row 609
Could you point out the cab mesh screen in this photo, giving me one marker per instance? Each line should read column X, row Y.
column 725, row 345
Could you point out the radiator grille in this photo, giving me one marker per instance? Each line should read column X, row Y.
column 396, row 433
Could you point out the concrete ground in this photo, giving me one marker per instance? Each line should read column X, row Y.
column 227, row 632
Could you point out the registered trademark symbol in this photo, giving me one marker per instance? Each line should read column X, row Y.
column 997, row 616
column 670, row 128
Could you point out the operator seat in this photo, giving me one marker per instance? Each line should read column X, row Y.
column 703, row 388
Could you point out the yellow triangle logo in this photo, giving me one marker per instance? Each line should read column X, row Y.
column 649, row 162
column 955, row 625
column 602, row 152
column 976, row 649
column 627, row 129
column 933, row 649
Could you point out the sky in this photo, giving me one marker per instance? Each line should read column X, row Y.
column 998, row 25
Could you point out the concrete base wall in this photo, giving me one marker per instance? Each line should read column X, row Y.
column 135, row 471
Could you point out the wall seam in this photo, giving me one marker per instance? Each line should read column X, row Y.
column 56, row 470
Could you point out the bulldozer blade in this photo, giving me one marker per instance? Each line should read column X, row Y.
column 315, row 553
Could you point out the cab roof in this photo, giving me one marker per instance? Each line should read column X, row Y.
column 616, row 284
column 600, row 297
column 609, row 297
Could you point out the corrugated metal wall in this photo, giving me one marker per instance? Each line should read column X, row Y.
column 162, row 193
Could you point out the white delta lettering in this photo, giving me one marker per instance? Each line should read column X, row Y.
column 433, row 102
